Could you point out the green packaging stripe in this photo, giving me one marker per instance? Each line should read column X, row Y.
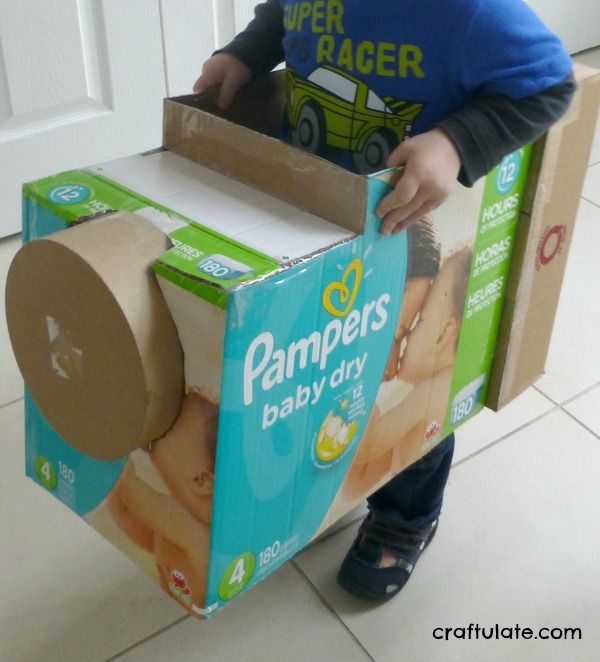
column 199, row 253
column 492, row 252
column 79, row 194
column 199, row 288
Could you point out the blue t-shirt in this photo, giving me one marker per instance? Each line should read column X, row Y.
column 404, row 65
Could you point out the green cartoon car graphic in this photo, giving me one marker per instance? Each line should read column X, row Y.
column 333, row 109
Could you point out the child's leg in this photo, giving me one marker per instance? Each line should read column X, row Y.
column 413, row 498
column 401, row 523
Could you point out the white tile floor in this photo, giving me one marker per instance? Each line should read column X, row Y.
column 518, row 543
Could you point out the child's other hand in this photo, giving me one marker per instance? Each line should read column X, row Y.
column 224, row 70
column 431, row 166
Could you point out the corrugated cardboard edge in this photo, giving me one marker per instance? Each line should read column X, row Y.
column 196, row 129
column 559, row 165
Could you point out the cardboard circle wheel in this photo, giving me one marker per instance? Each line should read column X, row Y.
column 93, row 336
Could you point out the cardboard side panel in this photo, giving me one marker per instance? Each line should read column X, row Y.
column 324, row 398
column 87, row 486
column 542, row 246
column 201, row 329
column 304, row 355
column 492, row 257
column 259, row 106
column 170, row 491
column 270, row 165
column 155, row 504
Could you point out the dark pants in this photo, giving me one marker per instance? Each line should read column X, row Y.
column 414, row 497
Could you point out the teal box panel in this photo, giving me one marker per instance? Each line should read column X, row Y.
column 304, row 356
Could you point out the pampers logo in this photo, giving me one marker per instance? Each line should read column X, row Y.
column 339, row 296
column 267, row 365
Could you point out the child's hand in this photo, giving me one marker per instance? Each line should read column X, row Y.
column 431, row 165
column 224, row 70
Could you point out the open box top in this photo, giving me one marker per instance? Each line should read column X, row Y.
column 243, row 142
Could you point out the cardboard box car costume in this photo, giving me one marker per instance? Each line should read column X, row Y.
column 286, row 322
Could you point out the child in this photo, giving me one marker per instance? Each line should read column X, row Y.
column 174, row 528
column 446, row 88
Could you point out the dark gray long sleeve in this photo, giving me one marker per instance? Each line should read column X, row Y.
column 484, row 131
column 491, row 126
column 259, row 46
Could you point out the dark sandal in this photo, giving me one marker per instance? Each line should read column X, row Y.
column 361, row 572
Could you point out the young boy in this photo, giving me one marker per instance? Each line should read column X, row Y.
column 446, row 88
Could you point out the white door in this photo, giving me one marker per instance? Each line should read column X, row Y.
column 81, row 81
column 192, row 30
column 577, row 22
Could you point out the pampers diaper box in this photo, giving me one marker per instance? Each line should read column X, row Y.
column 218, row 368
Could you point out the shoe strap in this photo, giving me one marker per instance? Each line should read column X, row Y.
column 386, row 533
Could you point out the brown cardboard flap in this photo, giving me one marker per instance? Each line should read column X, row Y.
column 542, row 244
column 196, row 128
column 259, row 106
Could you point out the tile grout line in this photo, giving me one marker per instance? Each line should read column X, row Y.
column 330, row 609
column 552, row 400
column 591, row 201
column 148, row 638
column 568, row 401
column 556, row 407
column 572, row 416
column 12, row 402
column 583, row 425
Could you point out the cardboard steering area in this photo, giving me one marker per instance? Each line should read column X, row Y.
column 223, row 356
